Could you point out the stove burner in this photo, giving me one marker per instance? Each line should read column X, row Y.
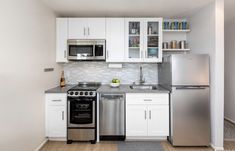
column 84, row 89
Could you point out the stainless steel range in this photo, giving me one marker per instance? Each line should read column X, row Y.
column 82, row 118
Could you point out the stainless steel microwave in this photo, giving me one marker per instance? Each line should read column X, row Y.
column 86, row 49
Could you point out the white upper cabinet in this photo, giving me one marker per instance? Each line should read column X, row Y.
column 143, row 39
column 86, row 28
column 96, row 28
column 152, row 40
column 115, row 51
column 61, row 39
column 77, row 28
column 134, row 34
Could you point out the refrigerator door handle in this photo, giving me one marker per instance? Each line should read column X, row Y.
column 190, row 88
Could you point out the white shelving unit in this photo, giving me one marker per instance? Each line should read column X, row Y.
column 183, row 31
column 175, row 34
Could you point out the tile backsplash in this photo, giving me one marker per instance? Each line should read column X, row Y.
column 100, row 72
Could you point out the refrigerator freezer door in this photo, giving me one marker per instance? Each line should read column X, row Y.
column 190, row 116
column 190, row 69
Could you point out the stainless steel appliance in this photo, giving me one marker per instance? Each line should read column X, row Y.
column 81, row 124
column 86, row 49
column 187, row 76
column 112, row 116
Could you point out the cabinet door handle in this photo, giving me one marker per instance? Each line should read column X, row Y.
column 84, row 31
column 145, row 114
column 145, row 54
column 65, row 54
column 150, row 115
column 62, row 115
column 88, row 31
column 107, row 54
column 56, row 100
column 148, row 100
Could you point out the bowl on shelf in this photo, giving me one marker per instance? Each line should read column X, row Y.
column 114, row 85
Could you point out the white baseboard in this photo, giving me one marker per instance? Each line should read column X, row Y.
column 217, row 148
column 41, row 145
column 57, row 139
column 228, row 119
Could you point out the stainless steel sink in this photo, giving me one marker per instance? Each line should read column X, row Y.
column 143, row 87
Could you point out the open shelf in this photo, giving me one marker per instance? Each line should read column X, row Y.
column 153, row 35
column 179, row 30
column 175, row 50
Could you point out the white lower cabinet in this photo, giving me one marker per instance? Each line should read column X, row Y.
column 158, row 123
column 147, row 115
column 56, row 116
column 136, row 120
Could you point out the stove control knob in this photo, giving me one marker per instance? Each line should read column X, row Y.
column 71, row 93
column 91, row 93
column 86, row 93
column 76, row 93
column 81, row 93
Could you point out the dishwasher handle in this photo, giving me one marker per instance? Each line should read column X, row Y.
column 112, row 96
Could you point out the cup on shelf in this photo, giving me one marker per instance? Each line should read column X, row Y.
column 182, row 44
column 165, row 45
column 166, row 25
column 184, row 25
column 174, row 44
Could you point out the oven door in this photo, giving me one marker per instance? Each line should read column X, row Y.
column 81, row 112
column 80, row 50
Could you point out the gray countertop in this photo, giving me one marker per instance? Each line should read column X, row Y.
column 58, row 89
column 126, row 89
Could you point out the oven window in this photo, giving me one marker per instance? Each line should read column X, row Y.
column 81, row 112
column 99, row 50
column 80, row 49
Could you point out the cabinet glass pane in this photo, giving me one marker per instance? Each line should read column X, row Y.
column 134, row 40
column 152, row 39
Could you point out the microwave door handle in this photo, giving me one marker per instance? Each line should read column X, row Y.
column 94, row 50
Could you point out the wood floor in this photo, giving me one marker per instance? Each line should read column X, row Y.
column 111, row 146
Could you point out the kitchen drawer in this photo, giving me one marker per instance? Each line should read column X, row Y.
column 147, row 98
column 55, row 99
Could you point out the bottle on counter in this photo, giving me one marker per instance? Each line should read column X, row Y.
column 62, row 80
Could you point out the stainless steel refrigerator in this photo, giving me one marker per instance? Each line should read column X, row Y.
column 187, row 76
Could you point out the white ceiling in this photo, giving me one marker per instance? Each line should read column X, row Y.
column 113, row 8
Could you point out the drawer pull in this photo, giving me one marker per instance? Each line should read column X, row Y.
column 145, row 115
column 148, row 100
column 62, row 115
column 56, row 100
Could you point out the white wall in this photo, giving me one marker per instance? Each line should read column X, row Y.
column 229, row 70
column 27, row 46
column 207, row 36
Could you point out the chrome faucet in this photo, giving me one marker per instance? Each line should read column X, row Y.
column 142, row 81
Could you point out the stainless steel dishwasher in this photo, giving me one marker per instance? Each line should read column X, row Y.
column 112, row 116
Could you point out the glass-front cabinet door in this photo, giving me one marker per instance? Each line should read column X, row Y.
column 153, row 40
column 134, row 39
column 143, row 39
